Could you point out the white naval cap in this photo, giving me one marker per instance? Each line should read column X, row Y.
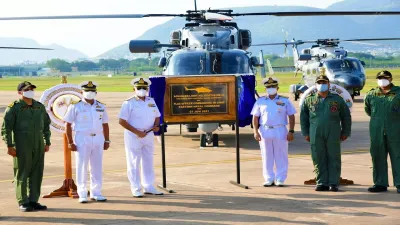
column 88, row 85
column 140, row 81
column 270, row 81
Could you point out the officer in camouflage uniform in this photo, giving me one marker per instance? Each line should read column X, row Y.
column 26, row 131
column 325, row 121
column 382, row 104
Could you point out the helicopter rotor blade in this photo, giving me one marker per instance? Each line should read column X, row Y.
column 321, row 13
column 216, row 16
column 372, row 39
column 369, row 44
column 299, row 42
column 113, row 16
column 1, row 47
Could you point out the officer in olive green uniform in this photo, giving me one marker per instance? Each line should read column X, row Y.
column 382, row 104
column 25, row 128
column 325, row 121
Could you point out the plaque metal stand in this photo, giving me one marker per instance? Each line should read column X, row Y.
column 236, row 121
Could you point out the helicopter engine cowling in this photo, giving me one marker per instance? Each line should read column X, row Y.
column 144, row 46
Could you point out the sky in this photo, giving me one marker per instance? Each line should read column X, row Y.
column 96, row 36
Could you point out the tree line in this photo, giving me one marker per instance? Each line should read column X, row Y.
column 144, row 64
column 140, row 64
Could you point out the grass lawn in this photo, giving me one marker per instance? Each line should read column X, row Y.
column 122, row 83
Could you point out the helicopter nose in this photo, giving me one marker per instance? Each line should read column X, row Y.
column 350, row 82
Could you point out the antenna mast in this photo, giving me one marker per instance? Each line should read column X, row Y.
column 195, row 5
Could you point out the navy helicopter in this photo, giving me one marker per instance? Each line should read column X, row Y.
column 347, row 72
column 208, row 44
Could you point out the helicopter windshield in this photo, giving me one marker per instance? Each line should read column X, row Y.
column 204, row 62
column 190, row 63
column 344, row 65
column 229, row 63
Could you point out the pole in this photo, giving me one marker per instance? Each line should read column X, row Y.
column 67, row 159
column 237, row 183
column 164, row 171
column 237, row 152
column 163, row 157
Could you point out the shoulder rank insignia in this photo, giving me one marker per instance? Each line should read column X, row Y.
column 131, row 98
column 74, row 102
column 283, row 96
column 12, row 104
column 100, row 102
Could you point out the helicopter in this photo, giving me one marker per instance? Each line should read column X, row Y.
column 209, row 43
column 347, row 72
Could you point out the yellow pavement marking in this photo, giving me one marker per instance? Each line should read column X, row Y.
column 203, row 163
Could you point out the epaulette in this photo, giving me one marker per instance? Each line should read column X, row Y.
column 135, row 97
column 371, row 91
column 283, row 96
column 12, row 104
column 75, row 102
column 38, row 102
column 310, row 95
column 100, row 102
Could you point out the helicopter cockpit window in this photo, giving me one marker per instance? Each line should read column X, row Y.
column 343, row 65
column 229, row 63
column 186, row 64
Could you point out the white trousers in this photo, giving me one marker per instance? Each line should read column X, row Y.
column 274, row 152
column 89, row 152
column 139, row 152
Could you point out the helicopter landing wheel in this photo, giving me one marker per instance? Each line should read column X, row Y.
column 296, row 96
column 203, row 142
column 215, row 140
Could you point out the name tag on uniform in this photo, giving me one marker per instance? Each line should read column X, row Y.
column 152, row 105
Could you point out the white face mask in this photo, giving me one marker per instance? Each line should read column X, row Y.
column 141, row 93
column 383, row 82
column 89, row 95
column 272, row 91
column 28, row 94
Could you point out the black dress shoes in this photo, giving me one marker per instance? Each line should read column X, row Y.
column 38, row 206
column 333, row 188
column 321, row 188
column 377, row 188
column 25, row 208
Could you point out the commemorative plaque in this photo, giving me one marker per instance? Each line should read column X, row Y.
column 199, row 99
column 205, row 98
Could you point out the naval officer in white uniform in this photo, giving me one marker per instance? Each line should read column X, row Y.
column 270, row 118
column 140, row 116
column 89, row 120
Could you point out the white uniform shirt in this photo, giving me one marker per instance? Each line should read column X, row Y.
column 139, row 114
column 86, row 117
column 273, row 112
